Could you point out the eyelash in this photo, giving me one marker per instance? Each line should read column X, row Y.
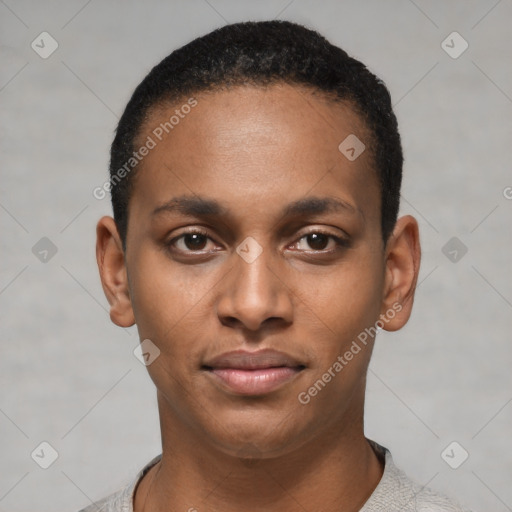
column 340, row 242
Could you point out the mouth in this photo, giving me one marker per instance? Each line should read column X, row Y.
column 253, row 373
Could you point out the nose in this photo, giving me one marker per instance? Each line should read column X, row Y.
column 253, row 294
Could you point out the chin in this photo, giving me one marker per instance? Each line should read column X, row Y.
column 256, row 437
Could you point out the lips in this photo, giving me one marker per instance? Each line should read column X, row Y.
column 253, row 373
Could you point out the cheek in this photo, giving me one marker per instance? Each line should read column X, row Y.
column 346, row 298
column 164, row 296
column 170, row 310
column 345, row 303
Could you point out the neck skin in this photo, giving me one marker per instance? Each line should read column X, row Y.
column 336, row 471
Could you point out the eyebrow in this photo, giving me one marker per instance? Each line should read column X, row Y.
column 202, row 207
column 193, row 206
column 317, row 205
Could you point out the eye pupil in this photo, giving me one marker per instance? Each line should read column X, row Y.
column 194, row 241
column 317, row 241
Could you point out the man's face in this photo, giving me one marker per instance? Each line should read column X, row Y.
column 270, row 268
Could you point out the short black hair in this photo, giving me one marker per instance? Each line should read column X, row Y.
column 262, row 53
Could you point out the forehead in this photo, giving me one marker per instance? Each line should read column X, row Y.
column 230, row 115
column 257, row 144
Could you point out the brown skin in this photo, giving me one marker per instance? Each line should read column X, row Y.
column 255, row 150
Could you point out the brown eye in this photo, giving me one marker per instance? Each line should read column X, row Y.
column 194, row 241
column 317, row 241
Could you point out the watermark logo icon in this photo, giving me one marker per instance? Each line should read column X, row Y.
column 454, row 249
column 146, row 352
column 249, row 250
column 44, row 45
column 454, row 45
column 351, row 147
column 454, row 455
column 44, row 250
column 44, row 455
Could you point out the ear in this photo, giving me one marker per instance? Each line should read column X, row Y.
column 113, row 274
column 403, row 256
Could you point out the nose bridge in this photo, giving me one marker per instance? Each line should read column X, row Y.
column 254, row 280
column 254, row 292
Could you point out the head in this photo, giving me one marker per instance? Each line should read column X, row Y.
column 262, row 214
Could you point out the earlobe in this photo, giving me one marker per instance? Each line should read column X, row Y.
column 403, row 256
column 113, row 274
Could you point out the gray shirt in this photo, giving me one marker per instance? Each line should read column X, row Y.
column 396, row 492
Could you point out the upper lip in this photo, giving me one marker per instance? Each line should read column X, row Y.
column 245, row 360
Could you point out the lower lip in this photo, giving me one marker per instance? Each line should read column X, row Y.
column 255, row 382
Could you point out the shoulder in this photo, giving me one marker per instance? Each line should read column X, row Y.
column 397, row 492
column 121, row 500
column 430, row 501
column 425, row 499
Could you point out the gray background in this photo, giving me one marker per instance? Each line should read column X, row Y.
column 69, row 377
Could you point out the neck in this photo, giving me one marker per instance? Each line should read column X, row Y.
column 336, row 473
